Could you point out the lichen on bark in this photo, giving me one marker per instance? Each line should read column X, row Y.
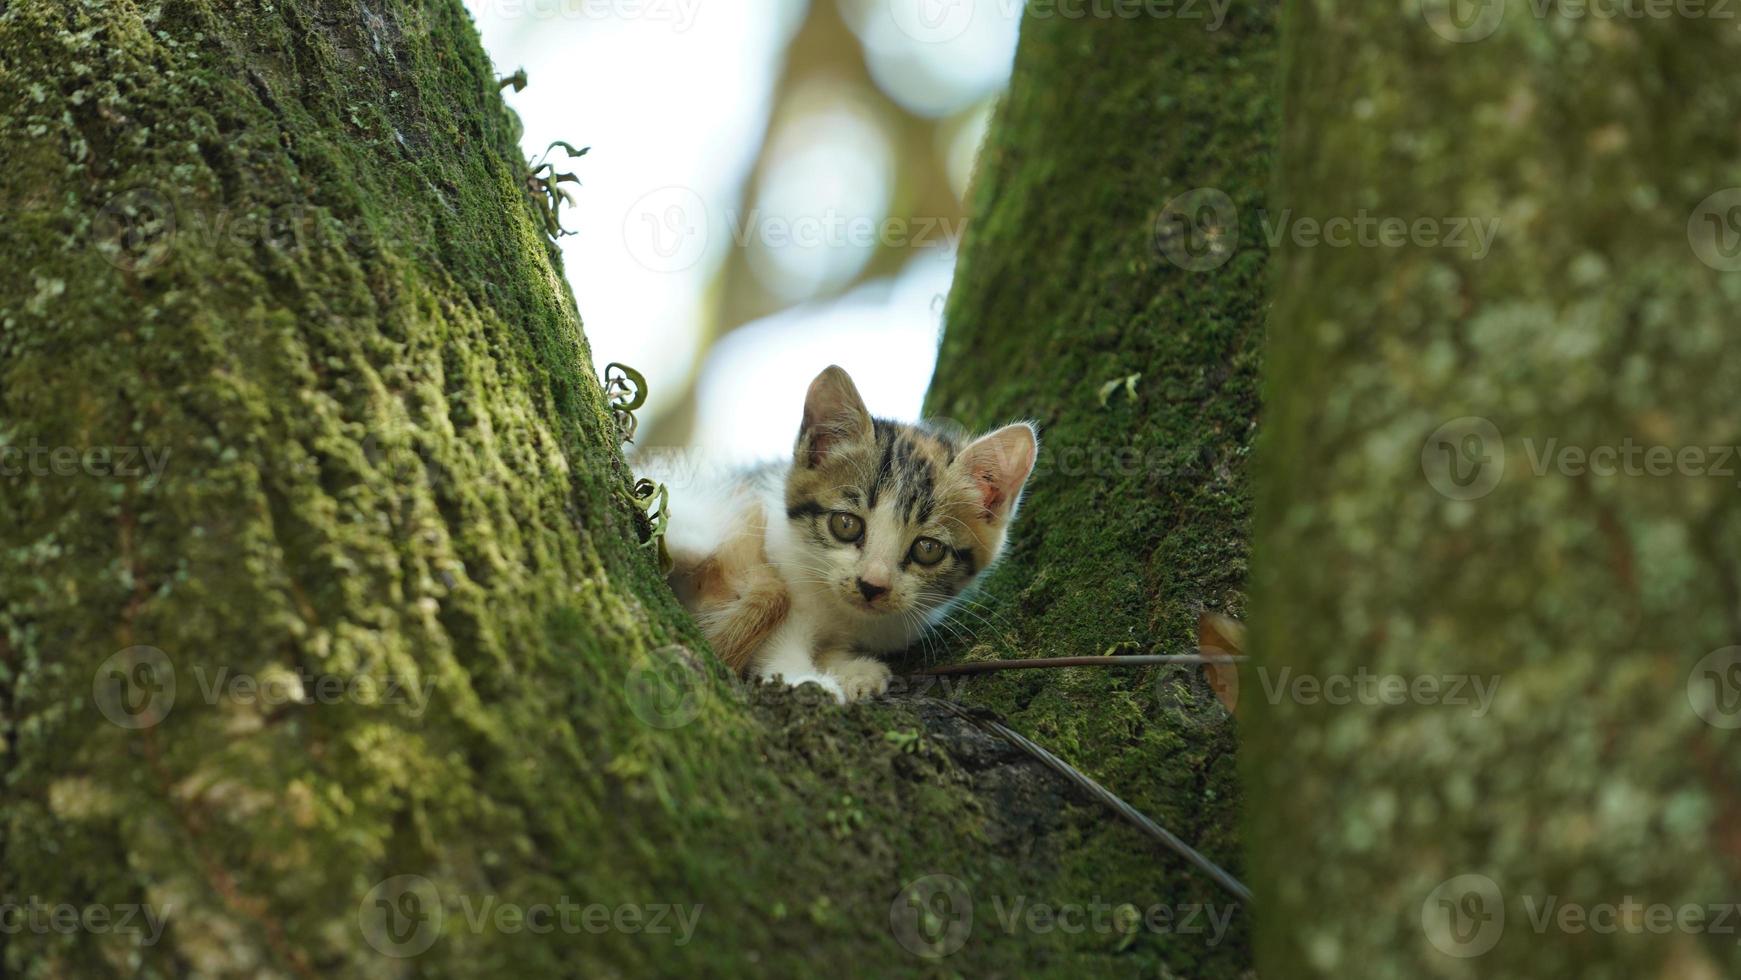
column 1588, row 599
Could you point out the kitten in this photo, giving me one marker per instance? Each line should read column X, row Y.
column 806, row 570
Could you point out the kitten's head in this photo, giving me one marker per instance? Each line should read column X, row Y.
column 894, row 518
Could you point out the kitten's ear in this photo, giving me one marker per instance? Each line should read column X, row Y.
column 999, row 464
column 833, row 414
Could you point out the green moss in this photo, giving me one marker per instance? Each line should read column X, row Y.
column 1588, row 600
column 289, row 251
column 1137, row 514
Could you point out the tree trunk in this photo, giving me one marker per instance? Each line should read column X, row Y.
column 318, row 562
column 1420, row 531
column 330, row 646
column 1092, row 262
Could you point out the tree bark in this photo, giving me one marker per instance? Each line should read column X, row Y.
column 304, row 441
column 366, row 658
column 1416, row 521
column 1088, row 265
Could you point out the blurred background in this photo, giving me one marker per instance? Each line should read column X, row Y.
column 773, row 186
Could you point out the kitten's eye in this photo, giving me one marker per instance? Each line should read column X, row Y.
column 845, row 527
column 927, row 551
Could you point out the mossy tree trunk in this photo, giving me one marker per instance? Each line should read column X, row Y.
column 327, row 640
column 1420, row 524
column 1097, row 296
column 316, row 567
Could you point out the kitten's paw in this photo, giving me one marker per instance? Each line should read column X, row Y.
column 862, row 677
column 823, row 681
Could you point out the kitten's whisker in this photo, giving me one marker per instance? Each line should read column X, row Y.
column 995, row 622
column 970, row 603
column 953, row 630
column 922, row 629
column 907, row 618
column 814, row 570
column 825, row 574
column 990, row 618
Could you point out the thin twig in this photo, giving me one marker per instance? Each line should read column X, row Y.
column 1138, row 660
column 1220, row 875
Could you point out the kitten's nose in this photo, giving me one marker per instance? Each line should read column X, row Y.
column 869, row 591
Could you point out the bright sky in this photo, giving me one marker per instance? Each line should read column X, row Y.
column 673, row 96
